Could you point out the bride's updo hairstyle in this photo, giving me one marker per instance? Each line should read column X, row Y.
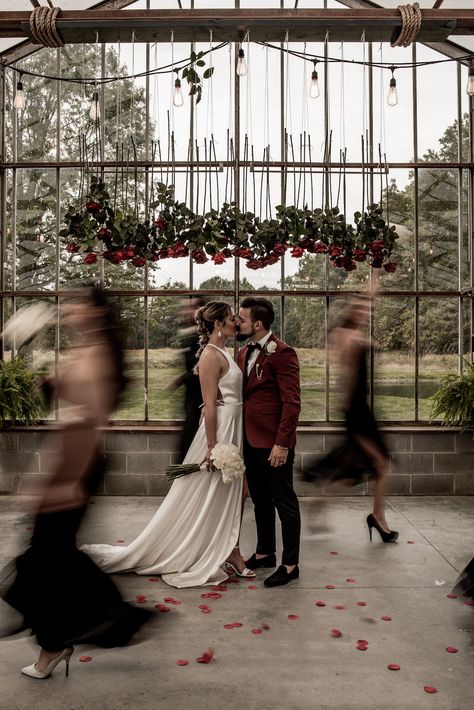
column 206, row 317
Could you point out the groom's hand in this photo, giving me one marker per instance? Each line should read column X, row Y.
column 278, row 456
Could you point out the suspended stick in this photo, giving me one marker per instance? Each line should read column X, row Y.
column 152, row 186
column 363, row 174
column 300, row 171
column 205, row 177
column 187, row 172
column 294, row 169
column 304, row 172
column 227, row 168
column 197, row 181
column 217, row 172
column 173, row 160
column 261, row 188
column 135, row 176
column 169, row 147
column 245, row 175
column 254, row 186
column 268, row 211
column 116, row 175
column 232, row 157
column 311, row 170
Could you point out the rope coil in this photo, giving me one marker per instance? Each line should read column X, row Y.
column 411, row 23
column 43, row 26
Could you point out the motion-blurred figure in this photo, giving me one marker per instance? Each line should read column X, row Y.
column 65, row 599
column 363, row 451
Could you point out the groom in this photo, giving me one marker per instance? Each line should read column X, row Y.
column 271, row 408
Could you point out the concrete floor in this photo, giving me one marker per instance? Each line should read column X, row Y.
column 295, row 663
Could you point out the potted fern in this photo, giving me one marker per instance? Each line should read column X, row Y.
column 21, row 401
column 453, row 402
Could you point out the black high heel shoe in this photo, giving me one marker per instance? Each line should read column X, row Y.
column 390, row 536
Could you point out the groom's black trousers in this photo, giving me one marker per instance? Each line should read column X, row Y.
column 272, row 487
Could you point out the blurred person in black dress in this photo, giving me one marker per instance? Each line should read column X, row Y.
column 65, row 599
column 363, row 450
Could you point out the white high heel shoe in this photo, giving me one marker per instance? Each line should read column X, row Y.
column 246, row 572
column 33, row 672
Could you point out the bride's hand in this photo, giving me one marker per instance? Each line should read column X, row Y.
column 208, row 461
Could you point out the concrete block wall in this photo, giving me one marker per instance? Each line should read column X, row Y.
column 426, row 460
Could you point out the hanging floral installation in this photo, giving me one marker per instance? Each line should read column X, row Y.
column 98, row 231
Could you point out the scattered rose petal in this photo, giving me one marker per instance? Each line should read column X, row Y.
column 330, row 586
column 469, row 603
column 452, row 596
column 162, row 607
column 252, row 586
column 430, row 689
column 228, row 626
column 237, row 624
column 120, row 540
column 140, row 598
column 206, row 611
column 292, row 617
column 451, row 649
column 153, row 579
column 363, row 642
column 361, row 647
column 333, row 552
column 182, row 662
column 203, row 606
column 85, row 659
column 410, row 542
column 386, row 618
column 168, row 599
column 320, row 603
column 351, row 580
column 219, row 588
column 265, row 627
column 206, row 657
column 341, row 607
column 361, row 603
column 211, row 595
column 336, row 633
column 393, row 667
column 257, row 631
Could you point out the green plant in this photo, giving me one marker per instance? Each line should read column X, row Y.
column 20, row 399
column 453, row 402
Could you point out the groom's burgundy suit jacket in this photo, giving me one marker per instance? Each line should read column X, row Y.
column 272, row 398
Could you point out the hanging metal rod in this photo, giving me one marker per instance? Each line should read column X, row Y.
column 309, row 25
column 219, row 165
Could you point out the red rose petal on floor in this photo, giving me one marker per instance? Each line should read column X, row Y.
column 85, row 659
column 452, row 596
column 361, row 647
column 176, row 602
column 153, row 579
column 330, row 586
column 237, row 624
column 362, row 642
column 320, row 603
column 361, row 603
column 351, row 580
column 333, row 552
column 410, row 542
column 182, row 662
column 430, row 689
column 252, row 586
column 293, row 616
column 469, row 603
column 451, row 649
column 206, row 611
column 340, row 607
column 206, row 657
column 162, row 607
column 219, row 588
column 203, row 606
column 168, row 599
column 257, row 631
column 386, row 618
column 265, row 627
column 336, row 633
column 140, row 598
column 228, row 626
column 120, row 540
column 393, row 667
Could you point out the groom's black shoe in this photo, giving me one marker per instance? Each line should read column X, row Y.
column 281, row 576
column 267, row 561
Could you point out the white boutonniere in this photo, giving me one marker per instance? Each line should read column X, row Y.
column 270, row 347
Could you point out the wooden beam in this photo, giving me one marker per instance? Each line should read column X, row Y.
column 263, row 24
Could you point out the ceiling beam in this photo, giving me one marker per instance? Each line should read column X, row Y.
column 263, row 24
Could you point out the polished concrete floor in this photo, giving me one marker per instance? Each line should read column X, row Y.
column 295, row 661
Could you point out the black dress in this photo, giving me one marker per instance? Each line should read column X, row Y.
column 349, row 461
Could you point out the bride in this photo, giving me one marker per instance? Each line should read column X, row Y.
column 195, row 531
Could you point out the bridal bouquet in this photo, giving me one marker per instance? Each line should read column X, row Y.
column 225, row 457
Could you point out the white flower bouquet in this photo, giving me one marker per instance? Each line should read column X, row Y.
column 226, row 458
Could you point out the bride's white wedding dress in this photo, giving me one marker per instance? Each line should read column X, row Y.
column 197, row 525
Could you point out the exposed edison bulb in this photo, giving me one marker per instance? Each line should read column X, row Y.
column 470, row 82
column 178, row 99
column 241, row 63
column 94, row 111
column 314, row 86
column 19, row 101
column 392, row 98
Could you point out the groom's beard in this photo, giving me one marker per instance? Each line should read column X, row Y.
column 240, row 337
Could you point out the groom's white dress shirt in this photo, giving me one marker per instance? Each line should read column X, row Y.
column 254, row 355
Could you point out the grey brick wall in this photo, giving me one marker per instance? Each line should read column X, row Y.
column 425, row 461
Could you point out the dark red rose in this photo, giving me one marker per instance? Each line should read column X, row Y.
column 72, row 248
column 297, row 252
column 390, row 267
column 335, row 251
column 199, row 257
column 348, row 264
column 160, row 223
column 90, row 258
column 139, row 261
column 129, row 252
column 218, row 258
column 178, row 250
column 92, row 206
column 358, row 254
column 377, row 255
column 308, row 244
column 154, row 257
column 377, row 263
column 338, row 262
column 223, row 241
column 120, row 256
column 164, row 253
column 111, row 256
column 243, row 252
column 320, row 247
column 279, row 248
column 271, row 259
column 254, row 264
column 377, row 245
column 104, row 234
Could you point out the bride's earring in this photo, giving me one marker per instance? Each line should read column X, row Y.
column 219, row 334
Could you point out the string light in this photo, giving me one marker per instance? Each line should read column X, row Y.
column 94, row 111
column 19, row 101
column 470, row 81
column 241, row 63
column 178, row 99
column 392, row 98
column 314, row 86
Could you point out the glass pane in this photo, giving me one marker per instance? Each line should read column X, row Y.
column 132, row 323
column 466, row 243
column 9, row 114
column 399, row 209
column 438, row 229
column 305, row 331
column 394, row 359
column 77, row 62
